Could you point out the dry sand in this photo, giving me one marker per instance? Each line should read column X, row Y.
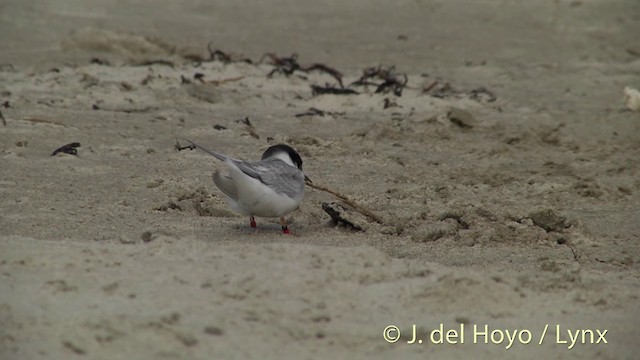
column 515, row 213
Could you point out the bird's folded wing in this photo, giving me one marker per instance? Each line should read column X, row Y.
column 249, row 169
column 281, row 177
column 225, row 184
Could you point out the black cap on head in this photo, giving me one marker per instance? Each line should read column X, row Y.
column 295, row 157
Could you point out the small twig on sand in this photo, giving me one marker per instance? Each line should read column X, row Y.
column 321, row 90
column 338, row 220
column 284, row 65
column 226, row 80
column 180, row 147
column 4, row 121
column 428, row 88
column 252, row 130
column 289, row 65
column 315, row 111
column 326, row 69
column 362, row 210
column 482, row 92
column 391, row 80
column 216, row 54
column 70, row 149
column 43, row 121
column 225, row 58
column 155, row 62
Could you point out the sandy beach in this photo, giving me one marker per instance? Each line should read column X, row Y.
column 491, row 143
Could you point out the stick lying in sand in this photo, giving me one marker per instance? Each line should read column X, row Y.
column 350, row 202
column 43, row 121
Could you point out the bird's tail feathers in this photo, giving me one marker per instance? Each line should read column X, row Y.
column 210, row 152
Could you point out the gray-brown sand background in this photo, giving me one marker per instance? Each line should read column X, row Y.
column 465, row 209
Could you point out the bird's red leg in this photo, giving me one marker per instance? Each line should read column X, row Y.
column 285, row 229
column 253, row 222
